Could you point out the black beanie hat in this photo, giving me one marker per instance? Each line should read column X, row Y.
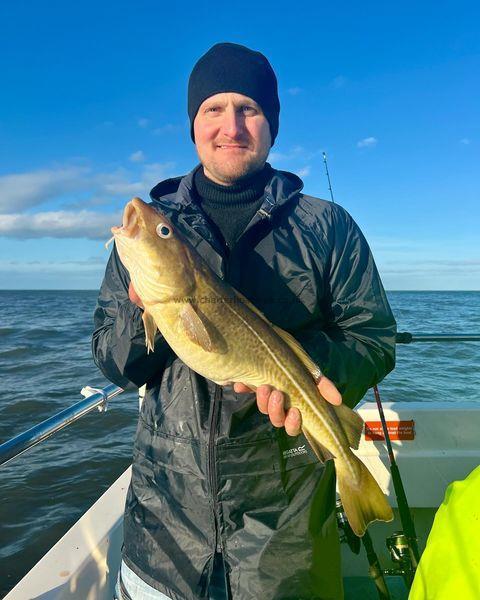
column 230, row 67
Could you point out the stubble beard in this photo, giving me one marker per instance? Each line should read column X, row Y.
column 233, row 171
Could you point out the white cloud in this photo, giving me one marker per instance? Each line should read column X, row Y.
column 465, row 141
column 368, row 142
column 137, row 156
column 154, row 172
column 19, row 192
column 433, row 266
column 305, row 172
column 277, row 157
column 124, row 188
column 119, row 183
column 24, row 190
column 294, row 91
column 168, row 128
column 29, row 265
column 83, row 203
column 435, row 269
column 143, row 123
column 466, row 262
column 295, row 152
column 50, row 274
column 59, row 224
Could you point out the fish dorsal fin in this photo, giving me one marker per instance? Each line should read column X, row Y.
column 150, row 330
column 309, row 363
column 252, row 307
column 320, row 451
column 194, row 328
column 311, row 366
column 352, row 424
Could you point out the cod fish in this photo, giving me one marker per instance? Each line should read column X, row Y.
column 221, row 335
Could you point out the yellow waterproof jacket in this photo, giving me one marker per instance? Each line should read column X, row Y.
column 450, row 566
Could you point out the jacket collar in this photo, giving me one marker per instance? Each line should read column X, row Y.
column 280, row 189
column 176, row 198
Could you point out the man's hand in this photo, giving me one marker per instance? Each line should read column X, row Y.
column 271, row 402
column 134, row 297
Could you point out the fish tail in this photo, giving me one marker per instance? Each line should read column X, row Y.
column 363, row 500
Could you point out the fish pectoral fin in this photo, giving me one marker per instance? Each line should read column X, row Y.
column 322, row 453
column 309, row 363
column 150, row 330
column 352, row 424
column 195, row 328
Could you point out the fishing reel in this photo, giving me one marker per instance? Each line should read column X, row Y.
column 398, row 547
column 401, row 555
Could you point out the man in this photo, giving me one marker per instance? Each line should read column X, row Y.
column 225, row 501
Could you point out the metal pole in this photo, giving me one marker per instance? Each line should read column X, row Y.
column 42, row 431
column 407, row 338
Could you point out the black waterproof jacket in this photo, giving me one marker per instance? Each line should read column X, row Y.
column 210, row 473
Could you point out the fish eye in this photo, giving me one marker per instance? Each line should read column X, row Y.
column 163, row 230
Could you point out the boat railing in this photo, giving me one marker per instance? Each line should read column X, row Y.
column 98, row 398
column 407, row 338
column 94, row 398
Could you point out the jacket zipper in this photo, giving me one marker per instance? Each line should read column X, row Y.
column 212, row 470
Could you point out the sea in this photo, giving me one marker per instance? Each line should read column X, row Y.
column 45, row 360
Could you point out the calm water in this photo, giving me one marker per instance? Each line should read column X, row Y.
column 45, row 360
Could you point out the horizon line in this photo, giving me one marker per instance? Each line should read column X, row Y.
column 98, row 289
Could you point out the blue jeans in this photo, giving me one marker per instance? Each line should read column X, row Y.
column 138, row 589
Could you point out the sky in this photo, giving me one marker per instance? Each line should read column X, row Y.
column 93, row 112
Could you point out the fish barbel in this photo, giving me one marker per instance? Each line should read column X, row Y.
column 221, row 335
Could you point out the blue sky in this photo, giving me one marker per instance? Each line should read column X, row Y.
column 93, row 111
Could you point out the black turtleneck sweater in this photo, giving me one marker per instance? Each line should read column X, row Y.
column 231, row 207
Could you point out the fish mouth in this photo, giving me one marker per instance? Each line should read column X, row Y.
column 129, row 226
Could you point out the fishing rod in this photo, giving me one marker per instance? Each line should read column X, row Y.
column 403, row 548
column 397, row 546
column 328, row 176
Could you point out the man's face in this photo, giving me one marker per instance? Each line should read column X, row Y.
column 232, row 137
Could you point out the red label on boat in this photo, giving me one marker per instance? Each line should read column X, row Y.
column 397, row 430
